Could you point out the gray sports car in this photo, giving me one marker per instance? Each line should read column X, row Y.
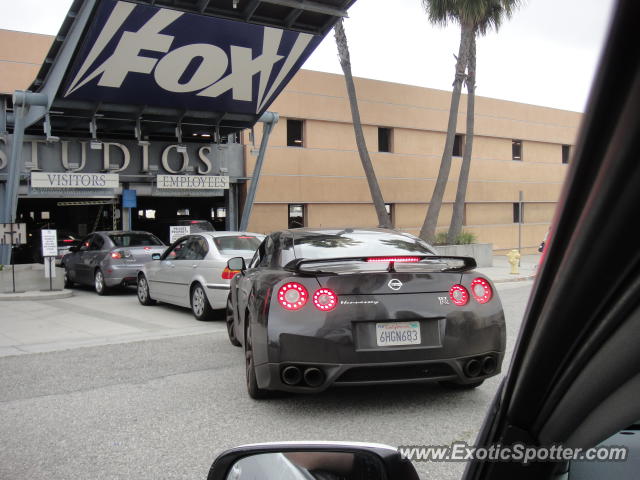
column 318, row 307
column 109, row 259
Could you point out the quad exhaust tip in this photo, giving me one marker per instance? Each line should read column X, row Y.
column 313, row 377
column 291, row 375
column 489, row 365
column 473, row 367
column 481, row 366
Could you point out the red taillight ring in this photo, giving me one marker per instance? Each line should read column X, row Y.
column 325, row 299
column 459, row 295
column 292, row 296
column 485, row 294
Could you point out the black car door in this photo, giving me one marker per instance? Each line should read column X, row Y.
column 247, row 280
column 574, row 379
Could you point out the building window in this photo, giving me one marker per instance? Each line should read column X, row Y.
column 294, row 133
column 518, row 214
column 384, row 139
column 296, row 216
column 457, row 145
column 390, row 211
column 516, row 149
column 566, row 151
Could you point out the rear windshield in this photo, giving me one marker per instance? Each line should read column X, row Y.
column 134, row 239
column 358, row 244
column 234, row 243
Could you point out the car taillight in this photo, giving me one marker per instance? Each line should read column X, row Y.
column 292, row 296
column 395, row 259
column 229, row 274
column 459, row 295
column 116, row 255
column 325, row 299
column 481, row 290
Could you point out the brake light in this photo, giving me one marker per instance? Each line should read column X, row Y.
column 68, row 240
column 395, row 259
column 325, row 299
column 147, row 248
column 292, row 296
column 116, row 255
column 228, row 274
column 481, row 290
column 459, row 295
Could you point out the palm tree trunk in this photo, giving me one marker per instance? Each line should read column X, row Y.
column 463, row 180
column 374, row 188
column 428, row 230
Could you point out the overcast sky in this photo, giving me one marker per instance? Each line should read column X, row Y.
column 545, row 55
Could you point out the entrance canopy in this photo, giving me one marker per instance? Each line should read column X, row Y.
column 167, row 69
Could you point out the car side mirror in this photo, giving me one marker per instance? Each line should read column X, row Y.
column 155, row 256
column 277, row 461
column 237, row 264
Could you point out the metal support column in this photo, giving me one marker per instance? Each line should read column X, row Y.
column 21, row 102
column 269, row 119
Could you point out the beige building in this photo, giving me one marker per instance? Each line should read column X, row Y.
column 517, row 148
column 312, row 172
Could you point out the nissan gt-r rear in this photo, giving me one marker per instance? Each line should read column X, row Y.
column 318, row 308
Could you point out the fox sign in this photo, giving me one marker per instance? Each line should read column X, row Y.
column 145, row 55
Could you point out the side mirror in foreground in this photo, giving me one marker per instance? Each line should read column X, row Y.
column 236, row 264
column 308, row 461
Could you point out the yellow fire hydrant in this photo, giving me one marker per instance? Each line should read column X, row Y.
column 514, row 260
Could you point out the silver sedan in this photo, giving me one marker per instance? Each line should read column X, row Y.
column 193, row 271
column 109, row 259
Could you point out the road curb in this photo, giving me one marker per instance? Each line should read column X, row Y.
column 517, row 279
column 35, row 295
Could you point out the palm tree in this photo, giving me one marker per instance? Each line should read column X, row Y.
column 474, row 17
column 374, row 188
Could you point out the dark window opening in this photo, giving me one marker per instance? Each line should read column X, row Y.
column 518, row 212
column 296, row 216
column 294, row 133
column 516, row 149
column 457, row 145
column 384, row 139
column 566, row 151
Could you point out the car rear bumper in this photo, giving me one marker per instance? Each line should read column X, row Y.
column 217, row 294
column 115, row 275
column 317, row 377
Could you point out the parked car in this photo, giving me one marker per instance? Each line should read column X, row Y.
column 192, row 272
column 574, row 378
column 31, row 252
column 317, row 307
column 109, row 259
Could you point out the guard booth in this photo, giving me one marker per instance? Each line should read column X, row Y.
column 153, row 100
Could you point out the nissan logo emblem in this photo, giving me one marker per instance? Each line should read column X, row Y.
column 395, row 284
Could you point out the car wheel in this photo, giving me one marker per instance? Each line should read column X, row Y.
column 200, row 304
column 231, row 329
column 143, row 291
column 98, row 283
column 254, row 391
column 67, row 281
column 460, row 386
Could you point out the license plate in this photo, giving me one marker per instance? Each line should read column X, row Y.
column 398, row 333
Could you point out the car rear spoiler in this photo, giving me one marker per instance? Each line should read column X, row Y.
column 468, row 263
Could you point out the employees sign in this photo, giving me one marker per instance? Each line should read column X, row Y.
column 147, row 55
column 192, row 182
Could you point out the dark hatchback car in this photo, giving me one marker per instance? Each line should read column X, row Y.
column 109, row 259
column 323, row 307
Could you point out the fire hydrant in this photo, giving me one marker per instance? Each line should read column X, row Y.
column 514, row 260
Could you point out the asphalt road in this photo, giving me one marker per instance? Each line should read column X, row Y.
column 164, row 408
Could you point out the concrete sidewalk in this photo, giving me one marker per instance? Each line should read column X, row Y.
column 500, row 272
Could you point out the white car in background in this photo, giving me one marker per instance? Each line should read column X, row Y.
column 193, row 271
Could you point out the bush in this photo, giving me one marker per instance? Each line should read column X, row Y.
column 464, row 238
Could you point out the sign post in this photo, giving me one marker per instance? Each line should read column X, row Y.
column 13, row 234
column 49, row 252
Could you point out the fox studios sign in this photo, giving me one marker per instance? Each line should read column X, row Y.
column 145, row 55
